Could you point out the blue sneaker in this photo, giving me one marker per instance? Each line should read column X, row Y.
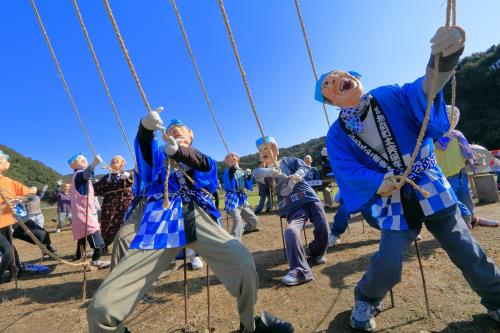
column 292, row 279
column 362, row 316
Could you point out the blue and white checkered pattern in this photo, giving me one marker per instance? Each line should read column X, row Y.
column 161, row 228
column 235, row 200
column 427, row 175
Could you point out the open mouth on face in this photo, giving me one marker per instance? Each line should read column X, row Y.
column 345, row 84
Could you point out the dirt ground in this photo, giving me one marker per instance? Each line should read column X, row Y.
column 52, row 302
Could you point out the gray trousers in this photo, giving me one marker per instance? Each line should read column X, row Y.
column 127, row 283
column 450, row 230
column 240, row 214
column 295, row 253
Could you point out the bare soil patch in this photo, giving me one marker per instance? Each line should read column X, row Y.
column 52, row 302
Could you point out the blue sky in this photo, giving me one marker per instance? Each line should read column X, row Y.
column 386, row 41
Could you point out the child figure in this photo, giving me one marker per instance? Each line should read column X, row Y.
column 85, row 224
column 298, row 202
column 235, row 182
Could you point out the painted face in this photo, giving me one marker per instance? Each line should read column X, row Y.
column 117, row 164
column 79, row 163
column 453, row 116
column 342, row 89
column 308, row 160
column 4, row 163
column 267, row 157
column 181, row 134
column 231, row 159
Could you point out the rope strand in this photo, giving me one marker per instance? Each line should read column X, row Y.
column 61, row 75
column 127, row 56
column 309, row 53
column 198, row 74
column 101, row 75
column 244, row 78
column 28, row 232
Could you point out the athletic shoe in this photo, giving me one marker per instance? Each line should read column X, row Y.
column 495, row 315
column 267, row 323
column 481, row 221
column 333, row 240
column 292, row 279
column 58, row 230
column 196, row 263
column 319, row 260
column 251, row 230
column 99, row 264
column 362, row 316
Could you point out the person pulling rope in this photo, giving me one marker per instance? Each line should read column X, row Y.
column 372, row 141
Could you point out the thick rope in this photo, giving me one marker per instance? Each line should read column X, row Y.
column 402, row 179
column 30, row 234
column 198, row 74
column 451, row 9
column 127, row 56
column 244, row 78
column 309, row 53
column 101, row 75
column 61, row 75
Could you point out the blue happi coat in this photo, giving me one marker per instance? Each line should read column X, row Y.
column 166, row 228
column 302, row 192
column 235, row 189
column 359, row 176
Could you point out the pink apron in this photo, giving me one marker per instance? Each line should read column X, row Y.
column 78, row 203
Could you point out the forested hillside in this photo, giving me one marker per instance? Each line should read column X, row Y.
column 478, row 97
column 31, row 172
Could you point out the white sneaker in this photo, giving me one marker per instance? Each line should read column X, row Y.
column 196, row 263
column 333, row 240
column 58, row 230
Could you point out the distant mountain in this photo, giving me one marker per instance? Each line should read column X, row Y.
column 478, row 97
column 31, row 172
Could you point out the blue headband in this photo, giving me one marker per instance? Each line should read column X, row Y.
column 73, row 158
column 269, row 139
column 318, row 95
column 175, row 122
column 4, row 155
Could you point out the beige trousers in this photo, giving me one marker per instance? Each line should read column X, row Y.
column 125, row 286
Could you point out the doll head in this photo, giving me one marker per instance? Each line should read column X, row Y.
column 117, row 163
column 339, row 88
column 180, row 132
column 78, row 161
column 232, row 159
column 4, row 162
column 267, row 157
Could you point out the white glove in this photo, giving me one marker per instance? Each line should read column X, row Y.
column 296, row 178
column 152, row 121
column 59, row 182
column 125, row 175
column 248, row 172
column 388, row 185
column 288, row 188
column 96, row 161
column 278, row 174
column 447, row 40
column 171, row 146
